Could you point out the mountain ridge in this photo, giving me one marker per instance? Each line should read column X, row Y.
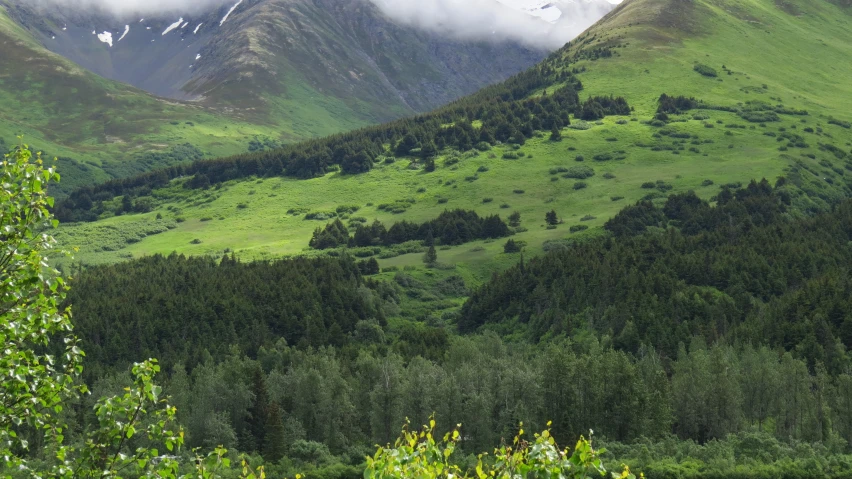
column 259, row 84
column 203, row 55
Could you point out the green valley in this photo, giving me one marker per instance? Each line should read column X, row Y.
column 643, row 242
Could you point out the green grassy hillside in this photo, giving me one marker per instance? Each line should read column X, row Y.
column 281, row 71
column 772, row 60
column 99, row 128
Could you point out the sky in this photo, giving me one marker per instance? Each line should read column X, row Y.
column 466, row 19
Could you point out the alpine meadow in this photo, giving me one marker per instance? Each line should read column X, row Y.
column 416, row 240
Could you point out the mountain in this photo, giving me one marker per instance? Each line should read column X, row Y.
column 732, row 114
column 241, row 53
column 270, row 71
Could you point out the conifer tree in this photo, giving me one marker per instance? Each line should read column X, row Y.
column 515, row 219
column 429, row 164
column 555, row 134
column 429, row 150
column 551, row 218
column 511, row 246
column 431, row 256
column 275, row 443
column 259, row 410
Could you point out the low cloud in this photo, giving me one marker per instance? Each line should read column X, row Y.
column 125, row 7
column 465, row 19
column 492, row 20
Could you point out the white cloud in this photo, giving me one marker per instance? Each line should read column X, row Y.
column 125, row 7
column 519, row 20
column 537, row 23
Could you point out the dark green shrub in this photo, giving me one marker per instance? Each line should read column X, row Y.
column 705, row 70
column 580, row 172
column 511, row 246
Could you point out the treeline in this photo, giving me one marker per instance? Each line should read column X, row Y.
column 676, row 104
column 180, row 309
column 504, row 113
column 741, row 271
column 452, row 227
column 754, row 111
column 291, row 402
column 598, row 107
column 502, row 106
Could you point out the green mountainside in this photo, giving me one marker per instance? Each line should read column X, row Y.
column 278, row 71
column 92, row 124
column 772, row 101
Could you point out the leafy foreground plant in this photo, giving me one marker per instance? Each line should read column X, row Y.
column 419, row 456
column 36, row 386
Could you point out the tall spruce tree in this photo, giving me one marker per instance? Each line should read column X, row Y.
column 431, row 256
column 555, row 134
column 259, row 410
column 275, row 440
column 551, row 218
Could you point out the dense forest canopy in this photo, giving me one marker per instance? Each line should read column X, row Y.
column 182, row 309
column 741, row 271
column 690, row 319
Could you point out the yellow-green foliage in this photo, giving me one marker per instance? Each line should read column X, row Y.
column 418, row 455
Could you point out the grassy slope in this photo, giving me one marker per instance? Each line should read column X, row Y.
column 69, row 112
column 803, row 60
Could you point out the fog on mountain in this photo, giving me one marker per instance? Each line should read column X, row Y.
column 492, row 20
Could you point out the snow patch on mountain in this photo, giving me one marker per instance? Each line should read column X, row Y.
column 196, row 28
column 225, row 18
column 173, row 26
column 126, row 31
column 105, row 37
